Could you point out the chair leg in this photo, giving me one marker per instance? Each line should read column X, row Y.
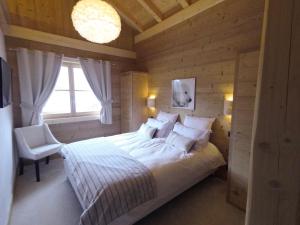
column 47, row 159
column 21, row 167
column 37, row 170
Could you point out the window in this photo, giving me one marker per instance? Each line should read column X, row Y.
column 72, row 97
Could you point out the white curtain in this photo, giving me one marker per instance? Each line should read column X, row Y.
column 98, row 74
column 38, row 72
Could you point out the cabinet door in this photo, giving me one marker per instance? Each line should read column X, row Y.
column 241, row 131
column 126, row 102
column 139, row 98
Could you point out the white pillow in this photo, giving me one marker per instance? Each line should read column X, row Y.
column 199, row 123
column 163, row 128
column 180, row 142
column 201, row 136
column 146, row 131
column 163, row 116
column 187, row 131
column 156, row 123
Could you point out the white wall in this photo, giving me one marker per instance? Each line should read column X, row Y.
column 6, row 154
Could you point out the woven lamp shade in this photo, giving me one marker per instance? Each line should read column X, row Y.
column 96, row 21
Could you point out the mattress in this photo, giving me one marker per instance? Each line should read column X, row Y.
column 164, row 162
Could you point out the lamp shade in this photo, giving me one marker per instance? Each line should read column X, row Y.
column 96, row 21
column 227, row 107
column 151, row 102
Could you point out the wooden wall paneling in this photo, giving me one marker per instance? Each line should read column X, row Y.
column 4, row 16
column 126, row 101
column 274, row 185
column 70, row 132
column 214, row 26
column 140, row 94
column 205, row 47
column 241, row 129
column 134, row 92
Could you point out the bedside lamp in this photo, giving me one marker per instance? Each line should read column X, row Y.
column 228, row 105
column 151, row 102
column 227, row 108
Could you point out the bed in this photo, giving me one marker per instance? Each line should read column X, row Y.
column 167, row 172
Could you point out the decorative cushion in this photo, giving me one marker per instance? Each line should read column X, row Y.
column 200, row 136
column 180, row 142
column 199, row 123
column 171, row 117
column 146, row 131
column 163, row 127
column 187, row 131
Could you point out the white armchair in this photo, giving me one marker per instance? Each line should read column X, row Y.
column 34, row 143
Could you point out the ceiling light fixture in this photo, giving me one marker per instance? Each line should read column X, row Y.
column 96, row 21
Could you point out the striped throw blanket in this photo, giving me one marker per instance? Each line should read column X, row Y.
column 108, row 181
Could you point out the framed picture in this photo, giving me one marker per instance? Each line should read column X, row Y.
column 183, row 93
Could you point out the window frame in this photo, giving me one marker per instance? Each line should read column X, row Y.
column 73, row 116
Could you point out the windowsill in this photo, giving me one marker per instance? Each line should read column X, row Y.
column 71, row 119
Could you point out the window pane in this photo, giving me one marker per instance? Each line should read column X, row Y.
column 86, row 101
column 62, row 82
column 58, row 102
column 80, row 81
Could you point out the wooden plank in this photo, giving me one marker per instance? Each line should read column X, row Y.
column 275, row 179
column 53, row 16
column 127, row 16
column 177, row 18
column 3, row 16
column 134, row 92
column 151, row 9
column 34, row 35
column 204, row 47
column 241, row 128
column 183, row 3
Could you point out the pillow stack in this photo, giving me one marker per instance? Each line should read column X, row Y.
column 170, row 117
column 164, row 123
column 195, row 131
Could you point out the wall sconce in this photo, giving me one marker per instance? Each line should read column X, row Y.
column 227, row 108
column 151, row 102
column 228, row 105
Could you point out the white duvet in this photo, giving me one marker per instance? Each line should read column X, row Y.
column 164, row 161
column 174, row 170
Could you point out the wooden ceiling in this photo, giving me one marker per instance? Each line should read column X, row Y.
column 55, row 14
column 141, row 19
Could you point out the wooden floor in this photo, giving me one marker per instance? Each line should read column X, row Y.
column 53, row 202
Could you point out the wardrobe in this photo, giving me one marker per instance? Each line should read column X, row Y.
column 134, row 93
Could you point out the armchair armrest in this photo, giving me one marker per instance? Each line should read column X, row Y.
column 24, row 149
column 49, row 136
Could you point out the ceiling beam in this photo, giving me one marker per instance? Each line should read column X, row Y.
column 151, row 9
column 53, row 39
column 183, row 3
column 179, row 17
column 126, row 16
